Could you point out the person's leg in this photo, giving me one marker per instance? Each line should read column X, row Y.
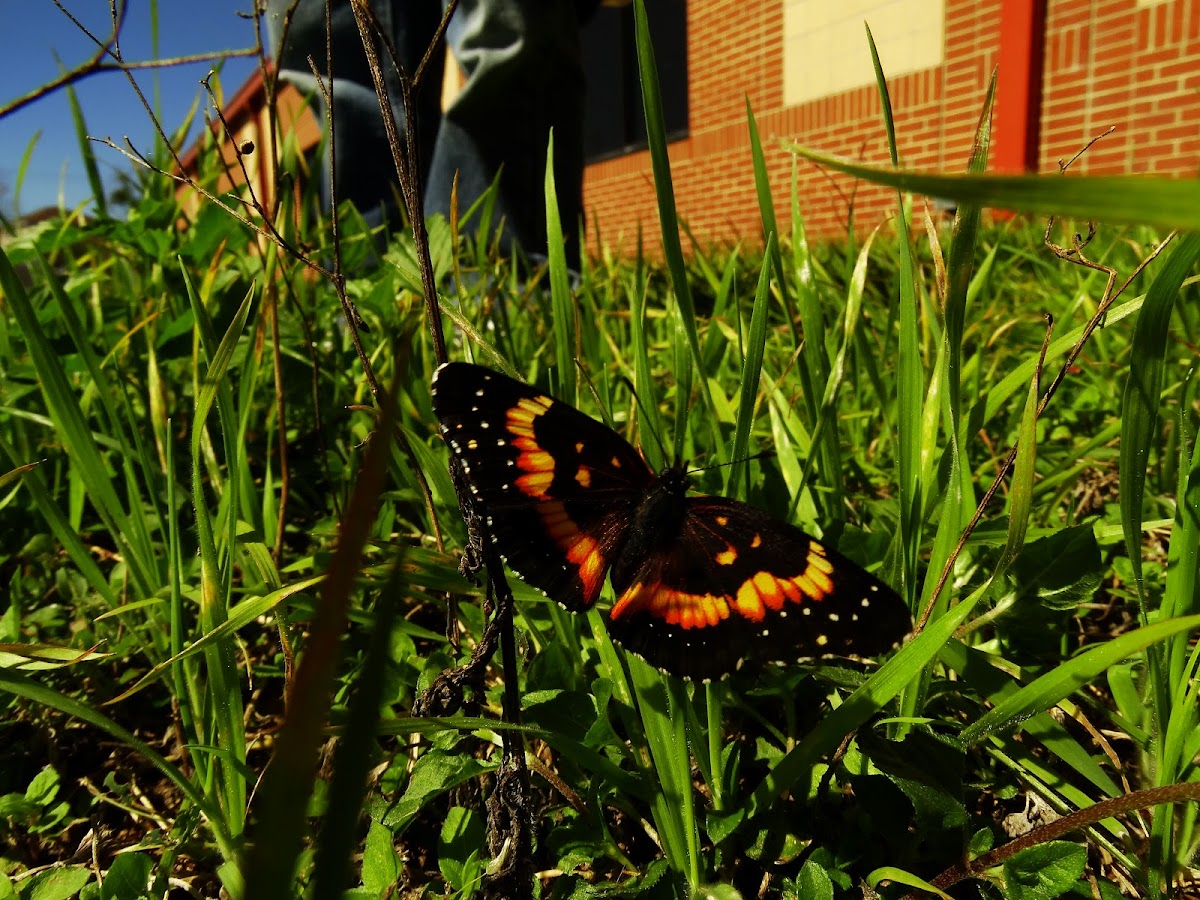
column 524, row 75
column 365, row 173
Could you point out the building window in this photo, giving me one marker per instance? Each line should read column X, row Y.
column 615, row 123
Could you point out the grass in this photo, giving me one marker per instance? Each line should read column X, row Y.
column 184, row 605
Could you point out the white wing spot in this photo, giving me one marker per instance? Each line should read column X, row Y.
column 484, row 425
column 501, row 442
column 874, row 589
column 833, row 617
column 479, row 393
column 806, row 610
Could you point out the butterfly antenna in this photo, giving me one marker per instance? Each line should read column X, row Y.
column 604, row 411
column 647, row 417
column 603, row 407
column 762, row 454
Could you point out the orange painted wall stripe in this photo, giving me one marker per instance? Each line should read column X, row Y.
column 1019, row 86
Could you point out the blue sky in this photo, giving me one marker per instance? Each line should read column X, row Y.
column 33, row 35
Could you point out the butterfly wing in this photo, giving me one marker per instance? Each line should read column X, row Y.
column 739, row 583
column 557, row 487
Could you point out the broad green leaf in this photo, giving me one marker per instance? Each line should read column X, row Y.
column 381, row 866
column 56, row 884
column 462, row 842
column 434, row 773
column 128, row 878
column 812, row 883
column 1044, row 872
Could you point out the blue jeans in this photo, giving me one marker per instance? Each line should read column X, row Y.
column 524, row 76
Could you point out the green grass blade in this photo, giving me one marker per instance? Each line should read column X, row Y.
column 868, row 699
column 815, row 360
column 682, row 369
column 185, row 676
column 72, row 427
column 1068, row 677
column 1180, row 598
column 738, row 484
column 356, row 749
column 22, row 686
column 1139, row 436
column 22, row 171
column 114, row 401
column 288, row 784
column 976, row 669
column 1180, row 712
column 770, row 227
column 224, row 686
column 961, row 264
column 650, row 422
column 656, row 136
column 958, row 501
column 1145, row 200
column 87, row 153
column 1139, row 412
column 241, row 615
column 561, row 300
column 66, row 535
column 910, row 373
column 837, row 374
column 660, row 702
column 1020, row 498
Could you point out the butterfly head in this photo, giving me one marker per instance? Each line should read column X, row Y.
column 674, row 479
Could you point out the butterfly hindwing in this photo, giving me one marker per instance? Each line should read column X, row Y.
column 740, row 584
column 558, row 487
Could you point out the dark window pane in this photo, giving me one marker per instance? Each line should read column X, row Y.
column 614, row 100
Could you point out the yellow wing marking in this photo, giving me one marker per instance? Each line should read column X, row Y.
column 672, row 606
column 769, row 591
column 536, row 463
column 581, row 549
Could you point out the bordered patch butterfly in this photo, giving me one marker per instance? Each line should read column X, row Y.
column 701, row 582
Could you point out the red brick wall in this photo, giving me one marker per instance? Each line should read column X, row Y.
column 1109, row 63
column 1106, row 63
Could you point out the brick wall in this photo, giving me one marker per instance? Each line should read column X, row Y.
column 1111, row 63
column 1107, row 62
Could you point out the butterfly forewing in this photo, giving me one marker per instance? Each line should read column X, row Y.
column 557, row 486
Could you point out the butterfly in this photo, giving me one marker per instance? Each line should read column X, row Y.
column 702, row 583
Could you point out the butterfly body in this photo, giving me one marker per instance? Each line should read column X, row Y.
column 701, row 582
column 657, row 523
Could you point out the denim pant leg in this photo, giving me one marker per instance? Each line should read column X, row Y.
column 364, row 170
column 524, row 75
